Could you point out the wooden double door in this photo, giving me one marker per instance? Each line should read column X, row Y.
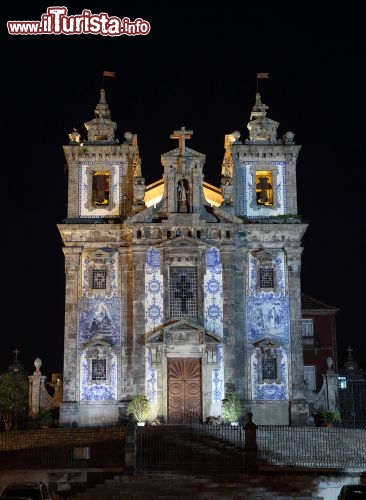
column 184, row 390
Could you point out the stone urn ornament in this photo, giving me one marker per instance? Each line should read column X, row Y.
column 37, row 363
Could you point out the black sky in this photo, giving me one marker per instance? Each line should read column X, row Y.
column 195, row 69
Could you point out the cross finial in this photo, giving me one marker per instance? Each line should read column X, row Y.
column 16, row 352
column 350, row 350
column 181, row 135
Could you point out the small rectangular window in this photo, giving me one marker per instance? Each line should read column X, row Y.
column 266, row 277
column 99, row 369
column 99, row 281
column 269, row 368
column 307, row 327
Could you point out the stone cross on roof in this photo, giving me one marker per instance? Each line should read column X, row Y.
column 181, row 135
column 16, row 352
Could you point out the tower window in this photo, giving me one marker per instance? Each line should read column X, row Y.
column 99, row 281
column 99, row 370
column 183, row 292
column 266, row 277
column 101, row 188
column 264, row 187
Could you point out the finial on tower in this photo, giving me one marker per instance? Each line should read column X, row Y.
column 101, row 128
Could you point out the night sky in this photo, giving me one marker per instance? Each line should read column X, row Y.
column 197, row 68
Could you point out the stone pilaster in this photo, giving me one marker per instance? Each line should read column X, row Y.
column 294, row 290
column 231, row 354
column 138, row 298
column 299, row 408
column 72, row 265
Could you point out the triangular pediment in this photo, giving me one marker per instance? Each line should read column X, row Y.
column 264, row 256
column 101, row 253
column 188, row 152
column 183, row 241
column 182, row 331
column 96, row 342
column 183, row 324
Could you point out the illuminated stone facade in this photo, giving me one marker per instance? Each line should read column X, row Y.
column 186, row 294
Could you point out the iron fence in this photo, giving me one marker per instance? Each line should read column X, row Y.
column 62, row 448
column 222, row 448
column 194, row 447
column 312, row 447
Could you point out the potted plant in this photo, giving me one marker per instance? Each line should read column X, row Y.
column 139, row 408
column 44, row 418
column 330, row 417
column 232, row 409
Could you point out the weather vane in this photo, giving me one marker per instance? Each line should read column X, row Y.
column 262, row 76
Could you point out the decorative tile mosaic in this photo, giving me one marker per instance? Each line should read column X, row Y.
column 98, row 391
column 268, row 317
column 213, row 292
column 111, row 263
column 154, row 290
column 270, row 391
column 151, row 381
column 218, row 377
column 99, row 318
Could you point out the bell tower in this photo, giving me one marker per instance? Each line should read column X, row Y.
column 105, row 187
column 104, row 176
column 259, row 186
column 261, row 171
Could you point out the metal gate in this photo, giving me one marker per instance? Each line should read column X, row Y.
column 352, row 393
column 184, row 390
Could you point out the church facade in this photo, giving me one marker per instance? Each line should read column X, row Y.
column 180, row 290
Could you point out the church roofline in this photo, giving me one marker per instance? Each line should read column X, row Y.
column 311, row 305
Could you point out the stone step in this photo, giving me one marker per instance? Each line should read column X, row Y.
column 175, row 486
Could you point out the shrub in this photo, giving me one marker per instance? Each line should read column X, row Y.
column 232, row 409
column 44, row 417
column 139, row 408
